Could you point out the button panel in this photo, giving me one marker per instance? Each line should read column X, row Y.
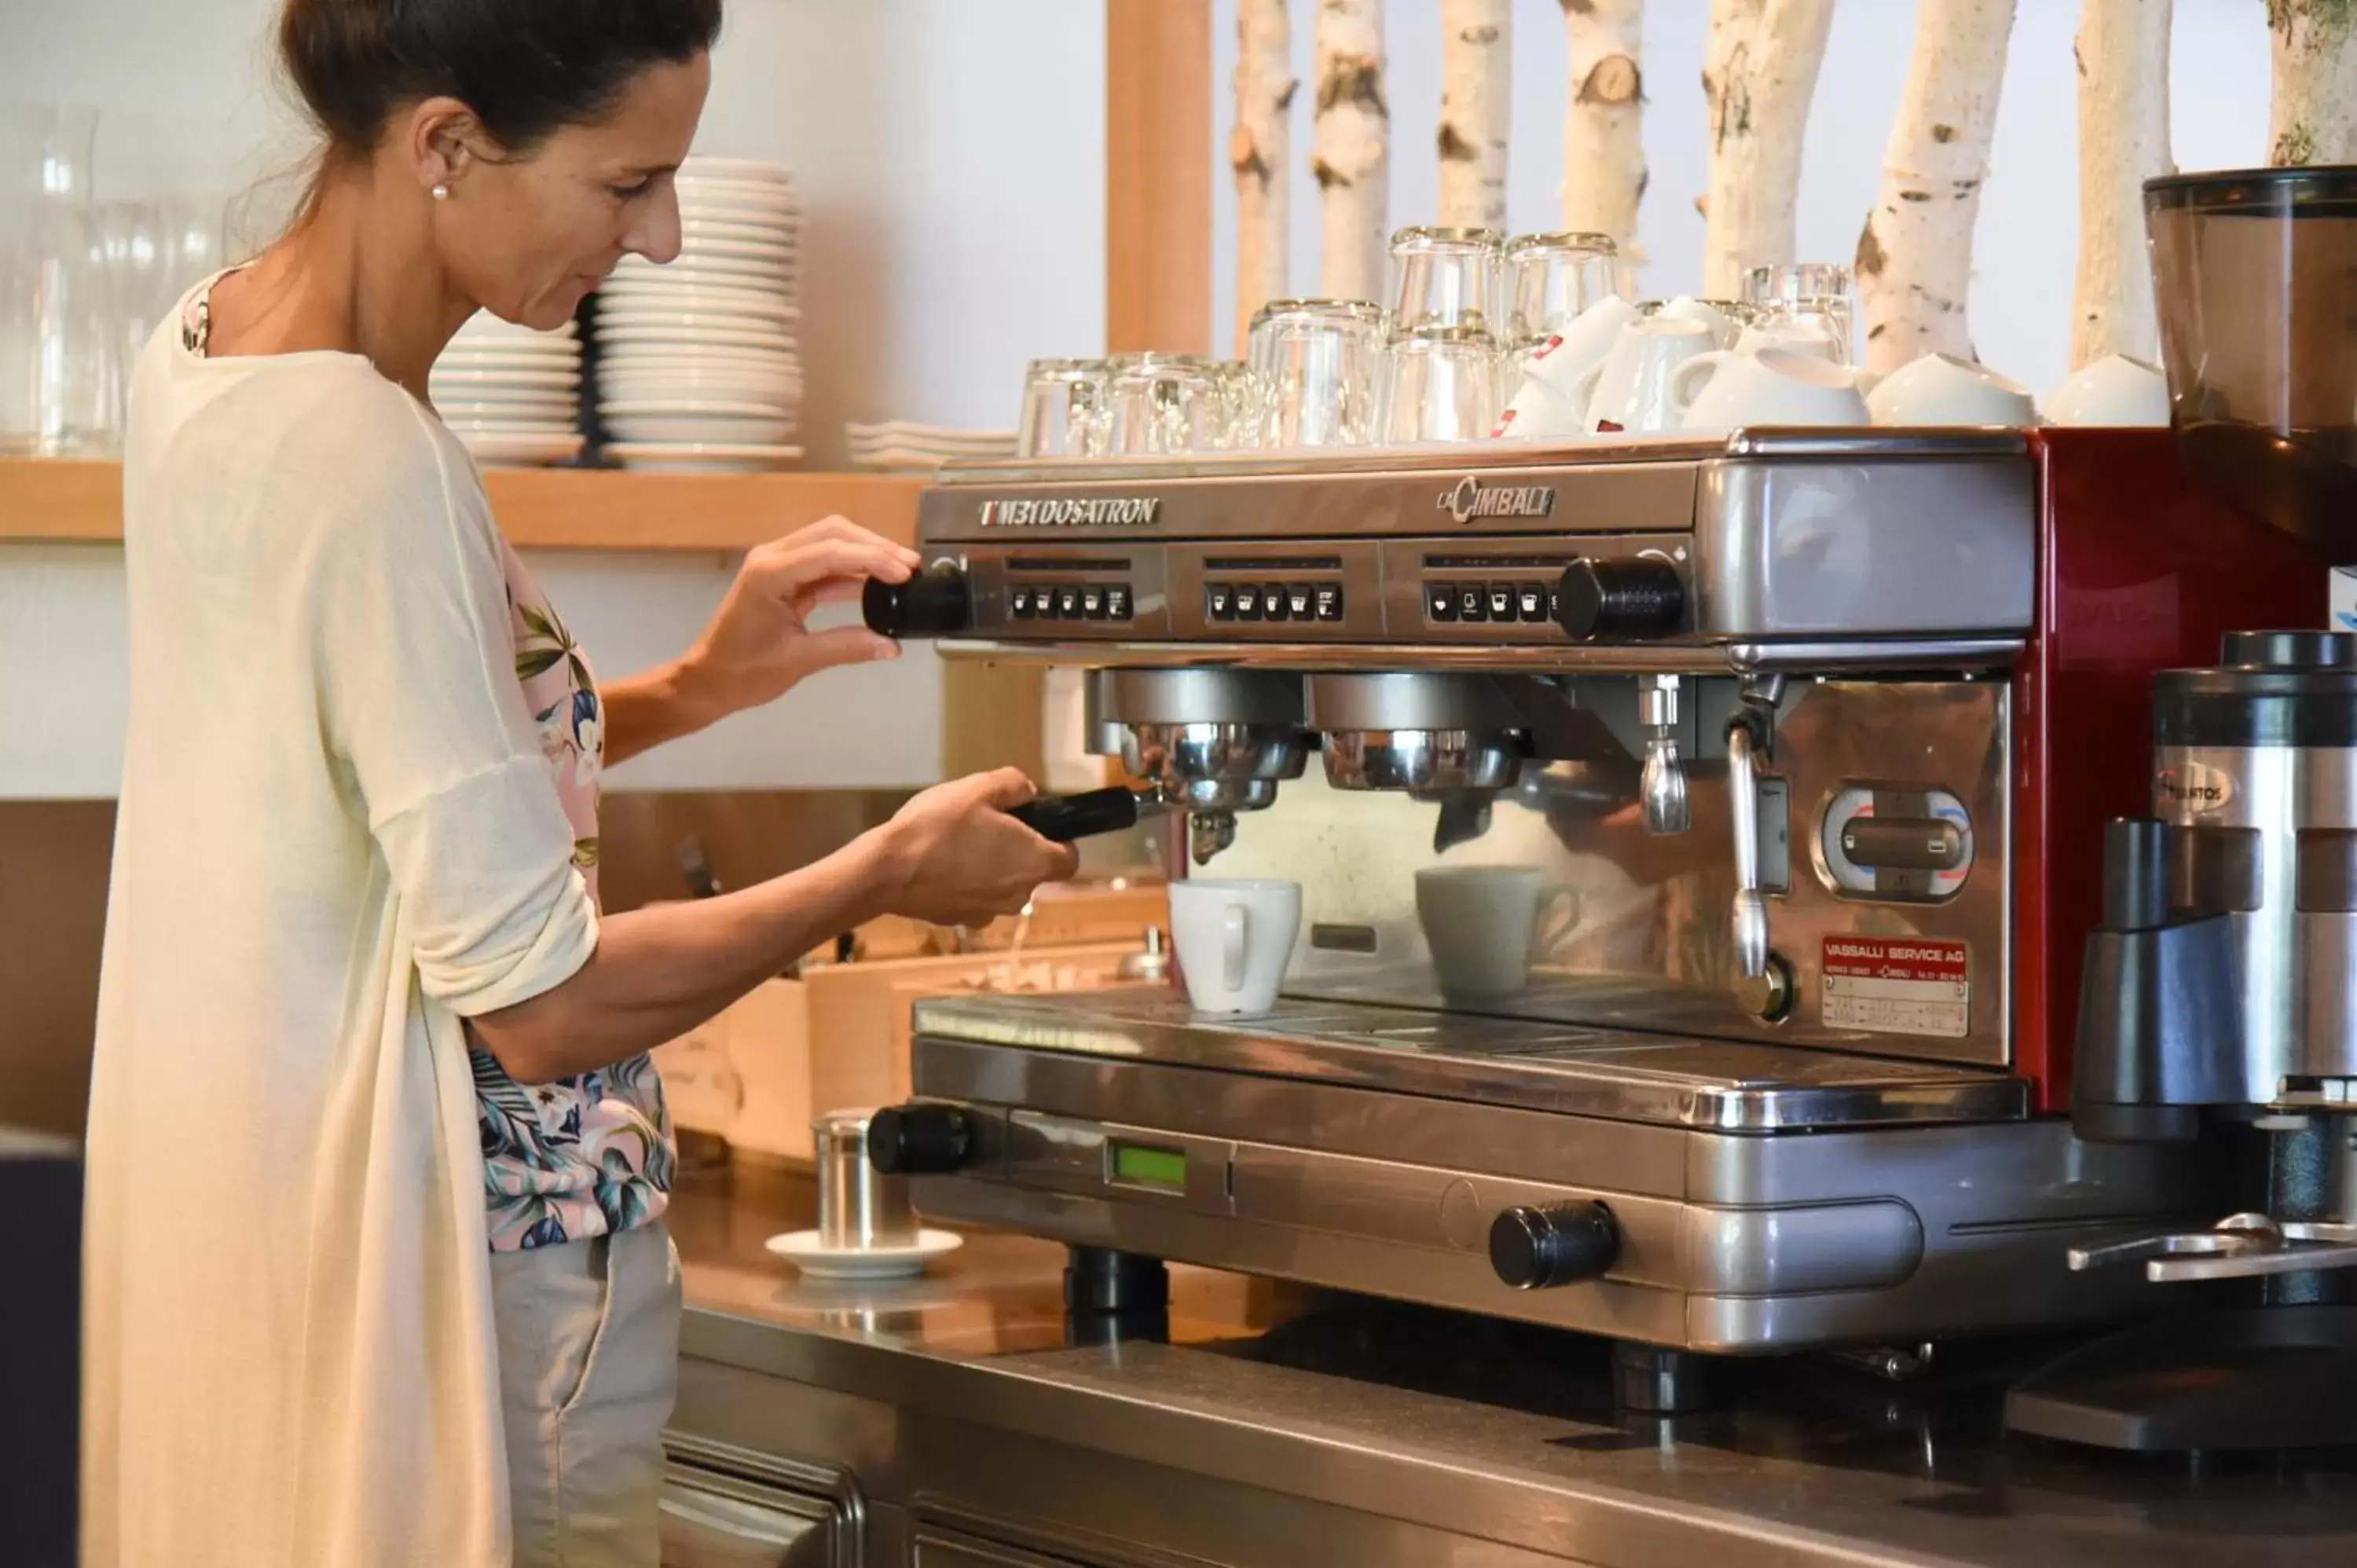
column 1108, row 602
column 1308, row 602
column 1503, row 603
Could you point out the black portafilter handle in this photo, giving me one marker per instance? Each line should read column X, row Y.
column 1063, row 818
column 934, row 602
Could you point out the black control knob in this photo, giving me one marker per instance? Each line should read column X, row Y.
column 1535, row 1248
column 935, row 602
column 1619, row 599
column 920, row 1140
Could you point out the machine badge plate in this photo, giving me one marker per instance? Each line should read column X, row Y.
column 1897, row 985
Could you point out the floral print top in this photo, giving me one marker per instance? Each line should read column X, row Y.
column 588, row 1155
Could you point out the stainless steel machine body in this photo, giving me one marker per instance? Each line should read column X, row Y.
column 1748, row 703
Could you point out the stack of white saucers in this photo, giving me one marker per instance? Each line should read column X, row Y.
column 511, row 395
column 697, row 361
column 904, row 445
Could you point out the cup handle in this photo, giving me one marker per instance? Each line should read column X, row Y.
column 1684, row 386
column 1234, row 924
column 1555, row 928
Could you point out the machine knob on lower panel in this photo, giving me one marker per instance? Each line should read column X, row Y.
column 1535, row 1248
column 933, row 603
column 920, row 1140
column 1620, row 598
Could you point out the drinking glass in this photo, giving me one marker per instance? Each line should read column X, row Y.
column 138, row 252
column 1554, row 277
column 1817, row 295
column 1439, row 384
column 195, row 238
column 1239, row 401
column 1446, row 278
column 58, row 332
column 1313, row 364
column 1164, row 403
column 1063, row 409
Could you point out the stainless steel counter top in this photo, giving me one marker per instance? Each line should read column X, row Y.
column 1488, row 1430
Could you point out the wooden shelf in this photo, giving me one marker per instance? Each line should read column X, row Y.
column 51, row 499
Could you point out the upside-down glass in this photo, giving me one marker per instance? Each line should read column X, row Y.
column 1165, row 403
column 58, row 358
column 1313, row 365
column 1448, row 278
column 1440, row 384
column 1238, row 396
column 1064, row 409
column 1815, row 294
column 1554, row 278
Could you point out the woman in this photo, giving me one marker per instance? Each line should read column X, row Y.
column 376, row 1162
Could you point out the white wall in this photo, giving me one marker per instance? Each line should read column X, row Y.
column 2025, row 247
column 951, row 154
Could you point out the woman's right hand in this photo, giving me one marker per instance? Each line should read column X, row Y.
column 960, row 860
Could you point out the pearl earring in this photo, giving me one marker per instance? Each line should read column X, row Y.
column 441, row 193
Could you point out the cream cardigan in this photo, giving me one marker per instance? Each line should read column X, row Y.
column 336, row 839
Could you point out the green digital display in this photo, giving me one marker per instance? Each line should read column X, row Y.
column 1141, row 1167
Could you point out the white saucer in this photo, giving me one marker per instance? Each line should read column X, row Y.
column 819, row 1261
column 516, row 446
column 700, row 457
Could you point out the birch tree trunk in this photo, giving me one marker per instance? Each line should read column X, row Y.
column 1257, row 152
column 1603, row 141
column 2313, row 115
column 1476, row 106
column 1915, row 257
column 1759, row 75
column 2122, row 55
column 1354, row 152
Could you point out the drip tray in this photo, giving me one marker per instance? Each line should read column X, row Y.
column 1731, row 1086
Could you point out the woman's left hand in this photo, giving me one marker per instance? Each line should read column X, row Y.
column 760, row 643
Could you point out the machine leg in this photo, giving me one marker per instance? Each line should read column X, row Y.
column 1650, row 1380
column 1111, row 1295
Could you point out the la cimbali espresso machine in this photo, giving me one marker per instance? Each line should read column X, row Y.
column 1813, row 737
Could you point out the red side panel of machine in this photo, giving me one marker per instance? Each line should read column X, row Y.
column 2139, row 571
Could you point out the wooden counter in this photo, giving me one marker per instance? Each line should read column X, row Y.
column 73, row 500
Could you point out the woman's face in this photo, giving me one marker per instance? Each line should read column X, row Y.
column 526, row 236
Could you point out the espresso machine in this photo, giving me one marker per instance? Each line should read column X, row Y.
column 1816, row 729
column 1812, row 737
column 2219, row 1002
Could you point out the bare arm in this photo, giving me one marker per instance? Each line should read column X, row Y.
column 644, row 711
column 951, row 855
column 760, row 643
column 660, row 972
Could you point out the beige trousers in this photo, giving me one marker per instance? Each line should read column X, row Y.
column 589, row 1337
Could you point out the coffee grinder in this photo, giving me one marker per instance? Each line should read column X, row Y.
column 2219, row 999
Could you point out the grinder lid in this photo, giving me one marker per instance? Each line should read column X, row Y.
column 2272, row 688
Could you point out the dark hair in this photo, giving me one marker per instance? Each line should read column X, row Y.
column 526, row 68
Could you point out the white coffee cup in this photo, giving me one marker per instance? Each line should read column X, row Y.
column 1538, row 412
column 1568, row 361
column 1773, row 386
column 1687, row 307
column 1939, row 389
column 1798, row 336
column 1482, row 924
column 1233, row 939
column 1636, row 387
column 2114, row 391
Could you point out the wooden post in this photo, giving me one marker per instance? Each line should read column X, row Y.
column 1159, row 175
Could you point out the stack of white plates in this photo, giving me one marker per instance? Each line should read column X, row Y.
column 903, row 443
column 511, row 395
column 697, row 361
